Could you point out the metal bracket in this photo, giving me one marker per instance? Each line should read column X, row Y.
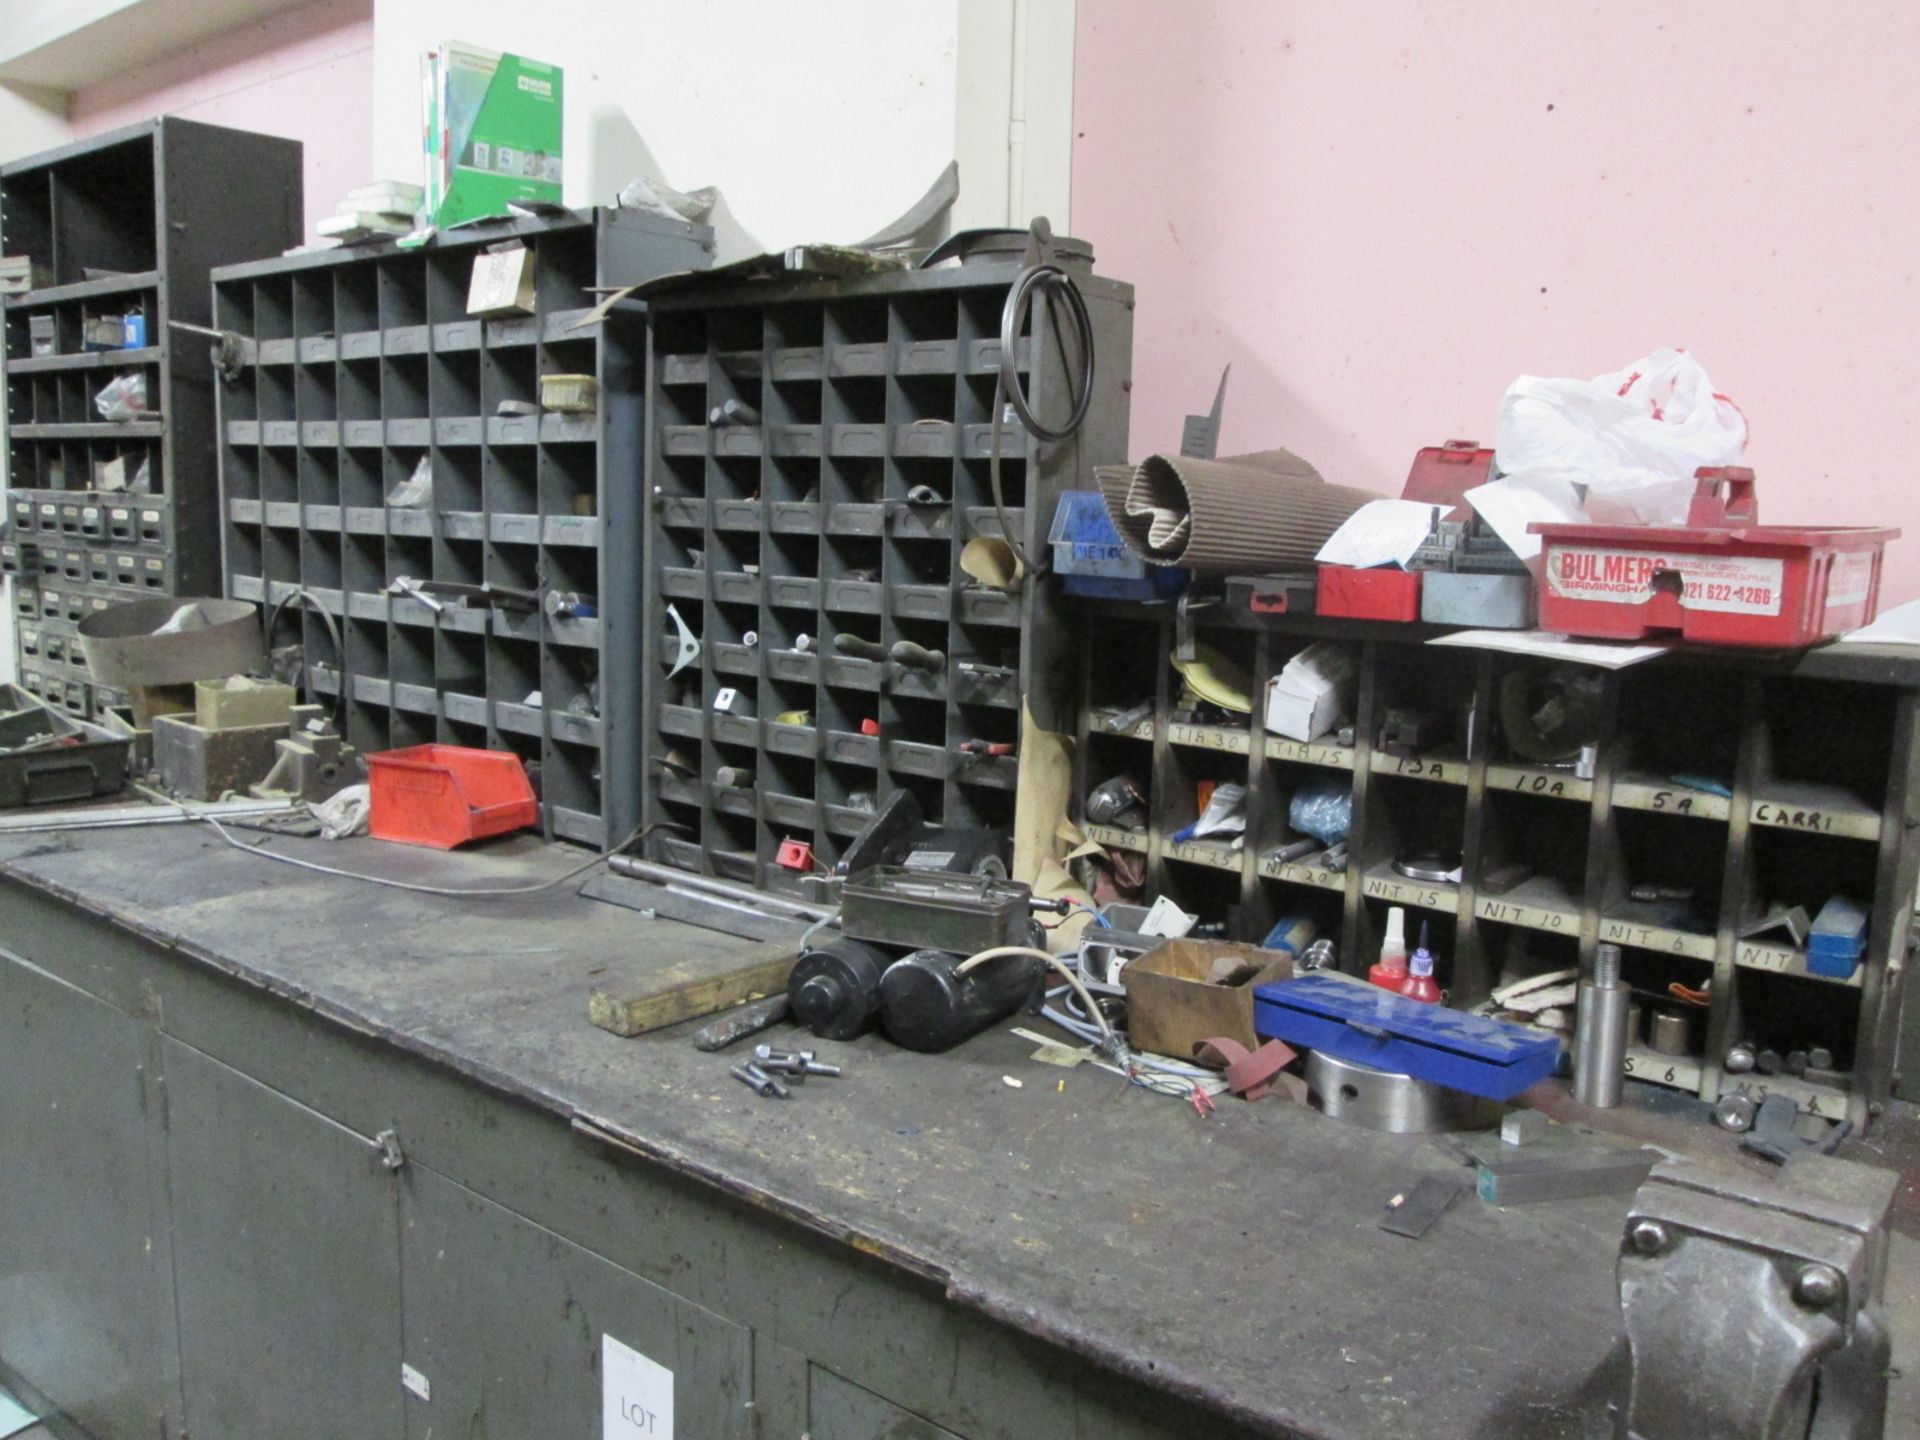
column 1752, row 1307
column 1200, row 436
column 685, row 644
column 387, row 1142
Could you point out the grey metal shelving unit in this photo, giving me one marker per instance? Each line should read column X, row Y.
column 130, row 220
column 357, row 364
column 1817, row 753
column 867, row 392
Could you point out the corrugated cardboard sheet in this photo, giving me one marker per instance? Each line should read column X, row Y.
column 1251, row 515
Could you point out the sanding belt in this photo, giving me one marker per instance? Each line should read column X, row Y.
column 1251, row 1074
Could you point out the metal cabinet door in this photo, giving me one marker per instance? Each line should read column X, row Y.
column 838, row 1409
column 84, row 1298
column 505, row 1320
column 286, row 1244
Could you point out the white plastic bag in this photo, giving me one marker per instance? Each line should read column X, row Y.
column 1630, row 441
column 123, row 398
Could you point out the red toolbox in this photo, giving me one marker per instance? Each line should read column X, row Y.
column 1720, row 579
column 446, row 795
column 1442, row 474
column 1383, row 594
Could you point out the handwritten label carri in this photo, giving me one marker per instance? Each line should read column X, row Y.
column 636, row 1395
column 1734, row 584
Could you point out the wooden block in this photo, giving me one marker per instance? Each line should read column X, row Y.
column 651, row 999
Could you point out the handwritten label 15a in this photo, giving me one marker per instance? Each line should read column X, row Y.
column 636, row 1394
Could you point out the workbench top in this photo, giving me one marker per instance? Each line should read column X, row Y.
column 1235, row 1261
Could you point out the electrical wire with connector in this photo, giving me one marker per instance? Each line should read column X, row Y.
column 452, row 891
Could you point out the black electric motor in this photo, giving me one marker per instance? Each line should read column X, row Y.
column 925, row 1006
column 834, row 989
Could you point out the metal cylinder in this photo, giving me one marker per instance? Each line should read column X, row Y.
column 925, row 1006
column 1397, row 1104
column 1669, row 1034
column 1600, row 1033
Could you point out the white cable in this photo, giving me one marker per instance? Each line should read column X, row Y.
column 974, row 961
column 479, row 893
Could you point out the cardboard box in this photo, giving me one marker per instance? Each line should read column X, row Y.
column 241, row 700
column 1172, row 1005
column 502, row 281
column 1310, row 696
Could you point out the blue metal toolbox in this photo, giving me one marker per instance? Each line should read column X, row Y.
column 1355, row 1021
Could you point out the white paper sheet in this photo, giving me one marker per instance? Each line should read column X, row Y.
column 1381, row 532
column 14, row 1417
column 1898, row 626
column 1510, row 505
column 1549, row 646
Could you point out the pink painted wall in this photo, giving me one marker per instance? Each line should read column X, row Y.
column 306, row 73
column 1381, row 214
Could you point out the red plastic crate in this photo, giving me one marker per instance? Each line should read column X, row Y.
column 1720, row 579
column 1386, row 594
column 446, row 795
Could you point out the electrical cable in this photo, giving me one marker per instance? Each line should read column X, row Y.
column 1050, row 280
column 806, row 939
column 456, row 892
column 974, row 961
column 312, row 602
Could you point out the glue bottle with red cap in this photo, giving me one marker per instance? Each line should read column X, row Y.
column 1419, row 984
column 1390, row 971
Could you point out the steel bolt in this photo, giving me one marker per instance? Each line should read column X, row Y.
column 1735, row 1112
column 1820, row 1058
column 1739, row 1060
column 1649, row 1237
column 1818, row 1286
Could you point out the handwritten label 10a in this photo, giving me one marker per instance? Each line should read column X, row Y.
column 636, row 1394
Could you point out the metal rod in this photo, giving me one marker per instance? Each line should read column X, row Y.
column 1600, row 1033
column 665, row 875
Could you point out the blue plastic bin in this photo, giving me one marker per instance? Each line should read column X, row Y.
column 1091, row 559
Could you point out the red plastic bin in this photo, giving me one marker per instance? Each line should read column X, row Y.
column 446, row 795
column 1720, row 579
column 1383, row 594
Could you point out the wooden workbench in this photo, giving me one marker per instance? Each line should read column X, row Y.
column 200, row 1053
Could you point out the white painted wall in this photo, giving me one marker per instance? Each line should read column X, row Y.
column 818, row 121
column 31, row 120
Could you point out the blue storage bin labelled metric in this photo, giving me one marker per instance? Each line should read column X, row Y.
column 1352, row 1020
column 1091, row 559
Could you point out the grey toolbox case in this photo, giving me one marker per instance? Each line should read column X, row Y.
column 47, row 757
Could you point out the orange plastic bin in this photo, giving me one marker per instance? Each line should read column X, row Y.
column 446, row 795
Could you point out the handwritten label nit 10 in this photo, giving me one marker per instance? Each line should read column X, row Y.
column 1533, row 917
column 636, row 1394
column 1732, row 584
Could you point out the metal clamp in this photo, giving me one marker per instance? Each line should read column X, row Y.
column 1753, row 1307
